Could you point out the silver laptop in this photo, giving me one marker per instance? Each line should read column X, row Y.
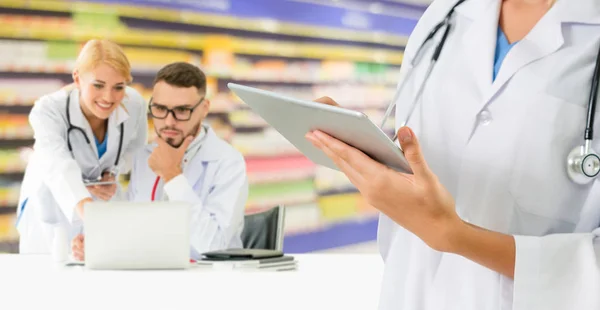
column 137, row 235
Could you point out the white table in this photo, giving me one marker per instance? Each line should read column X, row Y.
column 321, row 281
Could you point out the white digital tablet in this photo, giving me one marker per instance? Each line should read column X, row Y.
column 92, row 183
column 294, row 118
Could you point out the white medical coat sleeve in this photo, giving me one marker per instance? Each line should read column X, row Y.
column 140, row 134
column 557, row 272
column 216, row 220
column 131, row 192
column 61, row 173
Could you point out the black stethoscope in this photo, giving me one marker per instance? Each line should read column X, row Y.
column 73, row 127
column 583, row 163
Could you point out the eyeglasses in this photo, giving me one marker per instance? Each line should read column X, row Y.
column 179, row 113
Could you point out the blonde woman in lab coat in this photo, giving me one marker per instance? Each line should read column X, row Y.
column 83, row 133
column 490, row 219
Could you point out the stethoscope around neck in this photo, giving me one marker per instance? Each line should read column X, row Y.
column 583, row 163
column 72, row 127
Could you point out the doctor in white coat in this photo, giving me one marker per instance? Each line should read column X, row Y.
column 86, row 131
column 492, row 217
column 189, row 162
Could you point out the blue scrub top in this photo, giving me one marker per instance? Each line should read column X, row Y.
column 502, row 49
column 101, row 146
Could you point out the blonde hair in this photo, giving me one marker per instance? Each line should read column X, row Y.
column 96, row 52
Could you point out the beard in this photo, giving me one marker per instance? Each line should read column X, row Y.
column 176, row 142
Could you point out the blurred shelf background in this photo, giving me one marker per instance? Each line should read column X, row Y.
column 353, row 56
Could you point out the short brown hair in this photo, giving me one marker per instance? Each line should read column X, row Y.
column 182, row 74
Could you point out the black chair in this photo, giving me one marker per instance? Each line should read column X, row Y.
column 264, row 230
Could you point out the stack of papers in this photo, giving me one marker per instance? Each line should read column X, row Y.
column 281, row 263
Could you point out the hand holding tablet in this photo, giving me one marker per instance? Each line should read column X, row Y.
column 294, row 118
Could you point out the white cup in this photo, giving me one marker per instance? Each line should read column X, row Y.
column 60, row 245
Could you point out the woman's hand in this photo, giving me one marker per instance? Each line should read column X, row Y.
column 417, row 202
column 77, row 247
column 79, row 207
column 104, row 192
column 327, row 100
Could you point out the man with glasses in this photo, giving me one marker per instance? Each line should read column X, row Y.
column 189, row 162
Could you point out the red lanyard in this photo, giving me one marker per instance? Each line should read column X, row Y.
column 154, row 188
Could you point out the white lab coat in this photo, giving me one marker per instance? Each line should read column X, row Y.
column 214, row 181
column 500, row 148
column 53, row 181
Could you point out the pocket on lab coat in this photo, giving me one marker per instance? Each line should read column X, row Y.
column 546, row 200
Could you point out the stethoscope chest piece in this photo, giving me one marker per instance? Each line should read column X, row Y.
column 583, row 165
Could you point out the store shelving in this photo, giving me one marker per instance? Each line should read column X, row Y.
column 8, row 209
column 63, row 29
column 16, row 143
column 9, row 246
column 8, row 233
column 212, row 20
column 321, row 203
column 332, row 235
